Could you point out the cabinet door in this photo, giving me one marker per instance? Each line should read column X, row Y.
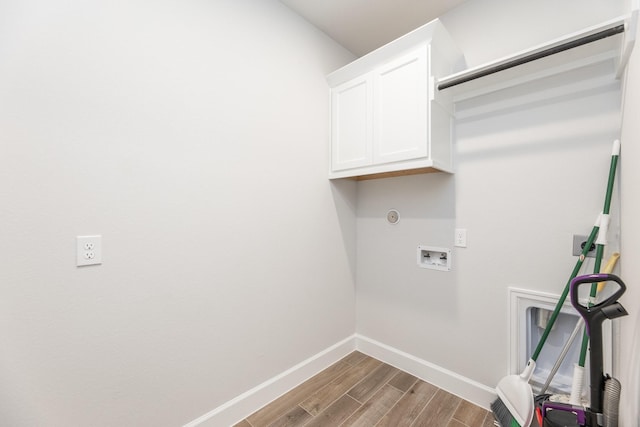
column 351, row 118
column 401, row 113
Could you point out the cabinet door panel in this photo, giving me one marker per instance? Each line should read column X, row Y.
column 401, row 112
column 351, row 107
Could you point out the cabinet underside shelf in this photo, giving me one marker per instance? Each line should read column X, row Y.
column 395, row 173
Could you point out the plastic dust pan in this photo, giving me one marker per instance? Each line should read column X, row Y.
column 515, row 393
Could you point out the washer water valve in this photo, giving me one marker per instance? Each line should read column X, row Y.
column 434, row 258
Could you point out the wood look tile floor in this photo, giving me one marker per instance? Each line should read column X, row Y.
column 362, row 391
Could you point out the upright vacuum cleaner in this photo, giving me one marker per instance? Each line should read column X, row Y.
column 604, row 390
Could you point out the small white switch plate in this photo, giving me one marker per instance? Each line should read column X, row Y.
column 88, row 250
column 460, row 239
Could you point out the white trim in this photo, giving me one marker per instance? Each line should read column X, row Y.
column 466, row 388
column 242, row 406
column 248, row 402
column 520, row 300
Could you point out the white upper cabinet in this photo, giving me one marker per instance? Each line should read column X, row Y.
column 401, row 109
column 351, row 118
column 386, row 118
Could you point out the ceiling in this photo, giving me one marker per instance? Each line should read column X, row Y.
column 364, row 25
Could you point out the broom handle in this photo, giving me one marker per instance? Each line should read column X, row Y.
column 602, row 240
column 592, row 296
column 614, row 159
column 565, row 292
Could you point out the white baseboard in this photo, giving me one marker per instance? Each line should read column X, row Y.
column 468, row 389
column 247, row 403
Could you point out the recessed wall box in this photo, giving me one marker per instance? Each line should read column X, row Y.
column 393, row 216
column 434, row 258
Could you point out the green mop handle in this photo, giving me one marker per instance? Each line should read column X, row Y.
column 594, row 232
column 565, row 292
column 602, row 241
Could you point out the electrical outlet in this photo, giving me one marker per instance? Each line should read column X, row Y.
column 88, row 250
column 579, row 243
column 460, row 239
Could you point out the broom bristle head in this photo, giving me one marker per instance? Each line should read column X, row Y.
column 502, row 414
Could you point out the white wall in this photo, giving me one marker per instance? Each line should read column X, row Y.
column 526, row 181
column 192, row 136
column 487, row 30
column 521, row 190
column 629, row 338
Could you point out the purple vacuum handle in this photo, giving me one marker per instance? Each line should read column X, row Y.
column 593, row 278
column 578, row 410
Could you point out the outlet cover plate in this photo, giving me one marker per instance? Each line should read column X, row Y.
column 88, row 250
column 578, row 242
column 460, row 239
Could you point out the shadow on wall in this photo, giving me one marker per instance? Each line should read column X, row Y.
column 389, row 279
column 344, row 193
column 418, row 197
column 541, row 128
